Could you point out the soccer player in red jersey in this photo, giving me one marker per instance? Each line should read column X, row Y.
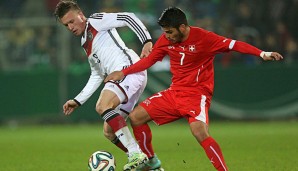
column 191, row 51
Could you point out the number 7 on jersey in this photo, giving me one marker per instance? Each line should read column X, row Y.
column 182, row 57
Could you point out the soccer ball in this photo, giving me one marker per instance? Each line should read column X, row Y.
column 101, row 161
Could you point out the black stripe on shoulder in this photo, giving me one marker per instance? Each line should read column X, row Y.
column 134, row 24
column 96, row 16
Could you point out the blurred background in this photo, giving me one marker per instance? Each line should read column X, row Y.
column 42, row 65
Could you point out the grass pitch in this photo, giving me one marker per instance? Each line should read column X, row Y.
column 247, row 146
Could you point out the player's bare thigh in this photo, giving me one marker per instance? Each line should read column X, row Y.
column 107, row 100
column 139, row 116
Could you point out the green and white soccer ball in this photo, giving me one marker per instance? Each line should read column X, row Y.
column 102, row 161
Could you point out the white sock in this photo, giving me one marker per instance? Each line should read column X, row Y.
column 127, row 140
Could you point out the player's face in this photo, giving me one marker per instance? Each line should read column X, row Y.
column 74, row 21
column 174, row 35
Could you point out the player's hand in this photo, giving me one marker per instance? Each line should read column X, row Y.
column 147, row 48
column 69, row 107
column 272, row 56
column 114, row 76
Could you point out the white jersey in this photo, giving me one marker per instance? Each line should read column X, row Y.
column 105, row 49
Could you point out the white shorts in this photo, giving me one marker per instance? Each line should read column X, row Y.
column 128, row 91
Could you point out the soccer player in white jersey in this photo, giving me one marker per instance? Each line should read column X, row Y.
column 106, row 53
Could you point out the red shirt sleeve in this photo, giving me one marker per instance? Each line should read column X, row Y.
column 141, row 65
column 219, row 44
column 243, row 47
column 157, row 54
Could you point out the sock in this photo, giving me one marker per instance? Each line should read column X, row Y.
column 143, row 135
column 118, row 143
column 214, row 153
column 118, row 124
column 115, row 121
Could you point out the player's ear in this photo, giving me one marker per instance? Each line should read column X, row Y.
column 182, row 28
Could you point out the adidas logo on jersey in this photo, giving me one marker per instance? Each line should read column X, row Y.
column 126, row 87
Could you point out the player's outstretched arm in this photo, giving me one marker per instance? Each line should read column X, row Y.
column 139, row 66
column 244, row 47
column 147, row 48
column 271, row 56
column 114, row 76
column 69, row 107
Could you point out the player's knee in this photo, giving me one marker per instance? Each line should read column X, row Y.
column 200, row 135
column 101, row 108
column 134, row 120
column 98, row 109
column 103, row 105
column 199, row 131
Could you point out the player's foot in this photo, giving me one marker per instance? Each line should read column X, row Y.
column 153, row 164
column 134, row 160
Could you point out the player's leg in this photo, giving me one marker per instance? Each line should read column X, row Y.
column 142, row 132
column 110, row 135
column 128, row 91
column 106, row 104
column 197, row 113
column 158, row 108
column 134, row 92
column 200, row 130
column 133, row 87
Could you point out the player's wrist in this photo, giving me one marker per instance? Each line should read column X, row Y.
column 123, row 72
column 77, row 102
column 147, row 41
column 263, row 54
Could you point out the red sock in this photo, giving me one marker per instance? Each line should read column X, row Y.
column 143, row 135
column 214, row 153
column 115, row 120
column 118, row 143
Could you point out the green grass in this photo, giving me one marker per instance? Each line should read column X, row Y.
column 247, row 146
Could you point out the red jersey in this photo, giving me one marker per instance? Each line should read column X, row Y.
column 191, row 61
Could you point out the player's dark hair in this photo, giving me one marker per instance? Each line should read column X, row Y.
column 64, row 6
column 172, row 17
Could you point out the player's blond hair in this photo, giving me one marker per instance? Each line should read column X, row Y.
column 64, row 6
